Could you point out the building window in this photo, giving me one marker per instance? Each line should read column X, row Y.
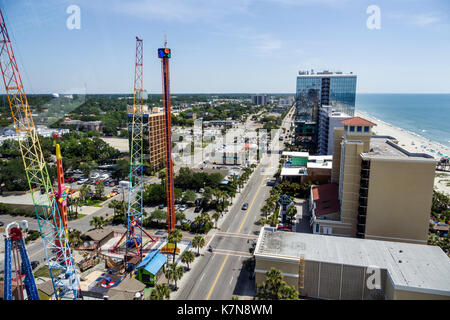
column 352, row 129
column 359, row 129
column 366, row 129
column 317, row 228
column 346, row 128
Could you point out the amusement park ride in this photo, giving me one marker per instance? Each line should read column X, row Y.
column 134, row 240
column 50, row 219
column 164, row 54
column 51, row 205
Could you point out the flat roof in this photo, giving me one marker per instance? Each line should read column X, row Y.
column 293, row 172
column 296, row 154
column 326, row 75
column 326, row 199
column 385, row 147
column 411, row 267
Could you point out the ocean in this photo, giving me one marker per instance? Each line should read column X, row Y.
column 427, row 115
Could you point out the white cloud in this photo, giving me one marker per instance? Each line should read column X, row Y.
column 421, row 20
column 181, row 10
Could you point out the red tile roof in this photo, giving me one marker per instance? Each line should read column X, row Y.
column 326, row 199
column 357, row 121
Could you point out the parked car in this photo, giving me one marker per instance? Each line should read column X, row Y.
column 245, row 206
column 115, row 190
column 105, row 176
column 183, row 207
column 78, row 171
column 34, row 264
column 95, row 175
column 198, row 201
column 198, row 209
column 83, row 181
column 161, row 206
column 201, row 190
column 1, row 224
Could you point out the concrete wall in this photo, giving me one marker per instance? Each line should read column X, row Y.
column 325, row 280
column 349, row 182
column 338, row 136
column 399, row 200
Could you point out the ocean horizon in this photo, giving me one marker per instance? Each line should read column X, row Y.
column 427, row 115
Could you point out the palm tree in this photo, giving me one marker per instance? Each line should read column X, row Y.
column 75, row 237
column 198, row 242
column 98, row 222
column 77, row 203
column 275, row 288
column 160, row 292
column 225, row 196
column 84, row 191
column 265, row 209
column 187, row 257
column 99, row 189
column 115, row 205
column 174, row 272
column 175, row 236
column 216, row 216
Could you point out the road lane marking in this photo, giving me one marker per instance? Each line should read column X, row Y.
column 237, row 235
column 233, row 253
column 217, row 277
column 253, row 201
column 231, row 279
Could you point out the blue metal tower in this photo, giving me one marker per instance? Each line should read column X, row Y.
column 14, row 243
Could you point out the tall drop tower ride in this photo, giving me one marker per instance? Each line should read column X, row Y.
column 164, row 54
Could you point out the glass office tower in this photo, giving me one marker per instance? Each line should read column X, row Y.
column 334, row 89
column 315, row 90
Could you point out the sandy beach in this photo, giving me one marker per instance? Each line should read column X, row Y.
column 413, row 143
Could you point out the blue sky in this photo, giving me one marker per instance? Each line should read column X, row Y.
column 224, row 46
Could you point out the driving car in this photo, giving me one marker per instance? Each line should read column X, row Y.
column 245, row 206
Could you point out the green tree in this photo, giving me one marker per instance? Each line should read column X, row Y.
column 116, row 205
column 187, row 257
column 189, row 196
column 160, row 292
column 99, row 189
column 98, row 222
column 175, row 236
column 84, row 191
column 198, row 242
column 215, row 216
column 86, row 168
column 275, row 288
column 75, row 237
column 174, row 273
column 121, row 170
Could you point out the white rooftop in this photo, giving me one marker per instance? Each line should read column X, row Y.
column 411, row 267
column 293, row 172
column 296, row 154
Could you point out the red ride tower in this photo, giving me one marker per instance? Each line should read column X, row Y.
column 164, row 54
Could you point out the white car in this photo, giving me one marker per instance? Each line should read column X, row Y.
column 183, row 207
column 82, row 181
column 104, row 176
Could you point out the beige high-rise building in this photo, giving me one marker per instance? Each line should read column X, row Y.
column 154, row 136
column 383, row 191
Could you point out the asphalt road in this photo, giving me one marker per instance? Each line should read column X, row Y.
column 221, row 274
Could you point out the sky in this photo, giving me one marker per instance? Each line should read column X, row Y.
column 229, row 46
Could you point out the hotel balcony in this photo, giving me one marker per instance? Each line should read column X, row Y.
column 363, row 202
